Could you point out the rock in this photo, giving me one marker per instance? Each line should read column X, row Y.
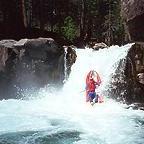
column 133, row 13
column 70, row 57
column 7, row 43
column 39, row 48
column 21, row 42
column 140, row 77
column 132, row 8
column 32, row 63
column 3, row 57
column 136, row 106
column 99, row 46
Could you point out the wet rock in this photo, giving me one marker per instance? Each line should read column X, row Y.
column 133, row 87
column 71, row 57
column 136, row 106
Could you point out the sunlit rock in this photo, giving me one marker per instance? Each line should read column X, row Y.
column 99, row 46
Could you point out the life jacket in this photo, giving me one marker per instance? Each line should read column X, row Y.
column 91, row 85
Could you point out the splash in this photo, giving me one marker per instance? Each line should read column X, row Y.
column 105, row 62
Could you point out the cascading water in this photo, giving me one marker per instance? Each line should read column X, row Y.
column 65, row 65
column 64, row 117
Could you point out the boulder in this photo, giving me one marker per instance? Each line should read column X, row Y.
column 32, row 63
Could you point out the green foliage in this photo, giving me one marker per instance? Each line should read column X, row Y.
column 69, row 28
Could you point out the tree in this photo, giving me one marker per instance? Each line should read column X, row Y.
column 113, row 25
column 69, row 28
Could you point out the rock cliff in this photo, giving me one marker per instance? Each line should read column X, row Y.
column 31, row 63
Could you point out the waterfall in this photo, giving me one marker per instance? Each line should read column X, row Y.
column 105, row 62
column 63, row 117
column 65, row 64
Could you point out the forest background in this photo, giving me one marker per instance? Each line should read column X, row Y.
column 72, row 20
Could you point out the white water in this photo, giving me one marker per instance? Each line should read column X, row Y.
column 54, row 112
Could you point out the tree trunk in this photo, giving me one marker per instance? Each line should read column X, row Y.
column 82, row 18
column 41, row 15
column 23, row 13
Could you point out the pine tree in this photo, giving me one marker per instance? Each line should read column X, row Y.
column 113, row 25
